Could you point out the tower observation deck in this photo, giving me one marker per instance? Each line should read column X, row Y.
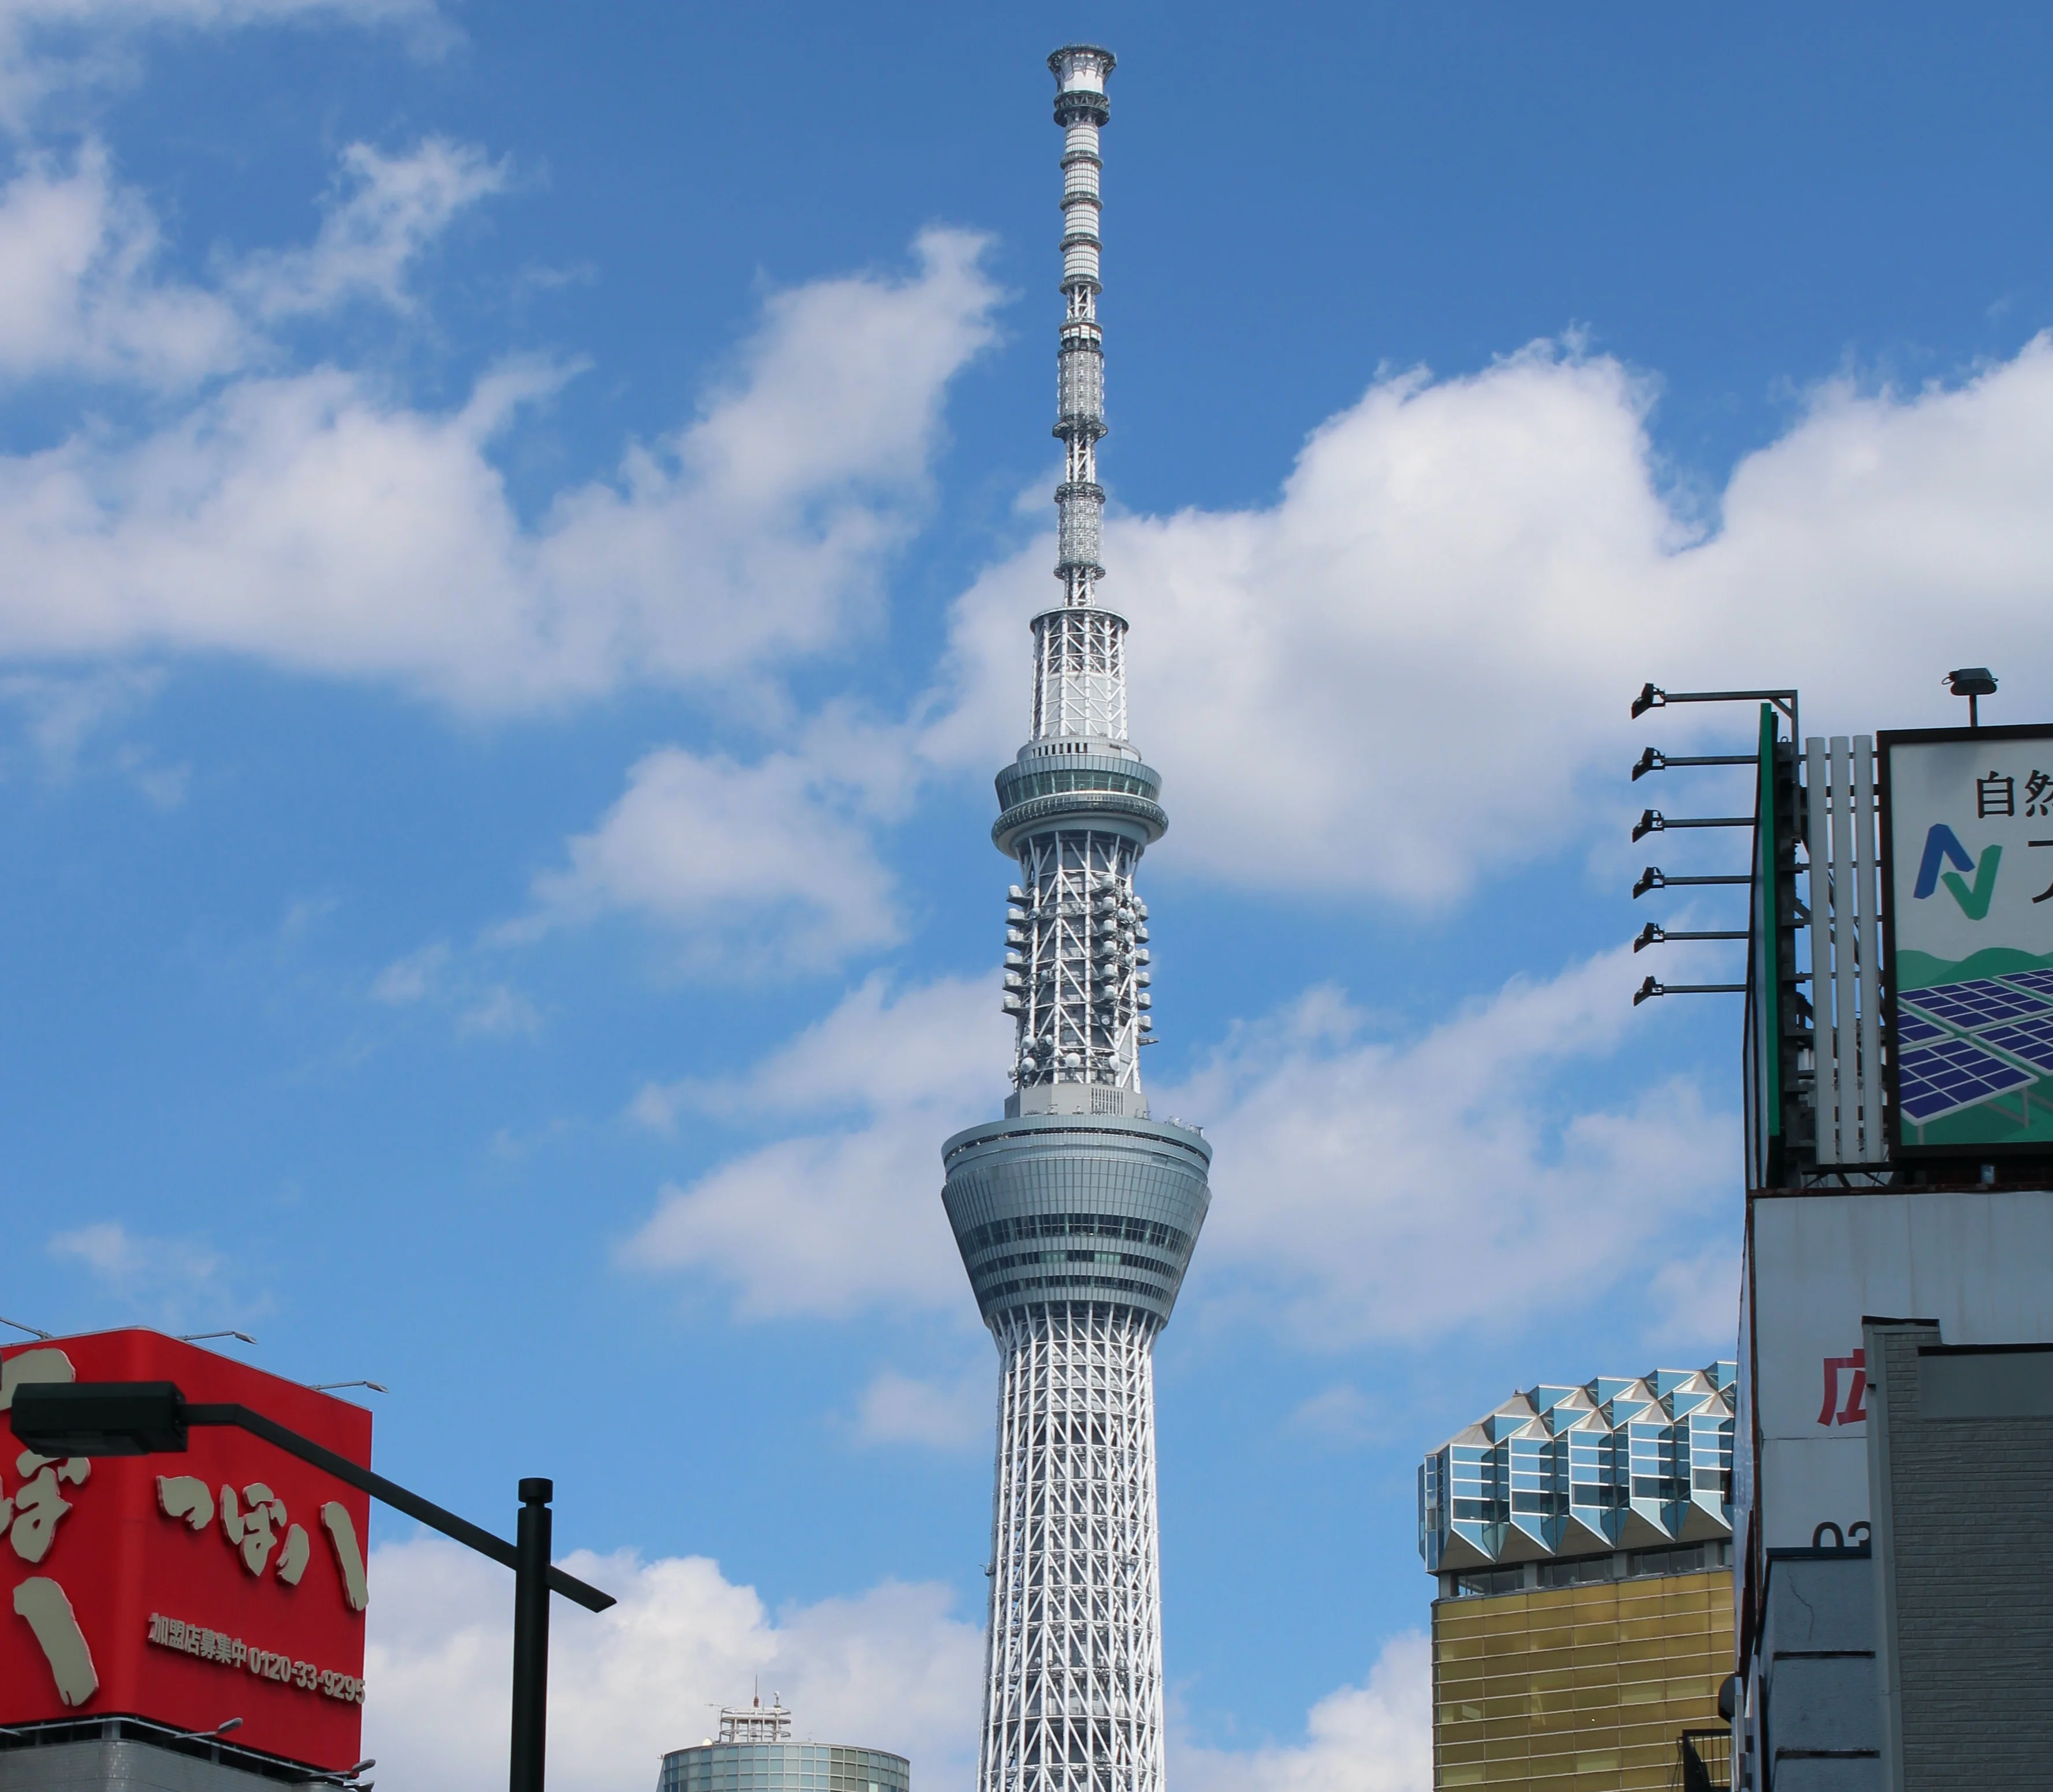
column 1076, row 1213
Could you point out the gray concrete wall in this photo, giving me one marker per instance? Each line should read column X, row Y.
column 124, row 1765
column 1817, row 1714
column 1961, row 1476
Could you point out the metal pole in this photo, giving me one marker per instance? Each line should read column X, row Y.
column 531, row 1636
column 411, row 1504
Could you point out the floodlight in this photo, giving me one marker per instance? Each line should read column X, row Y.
column 1973, row 682
column 1651, row 696
column 1651, row 821
column 1649, row 935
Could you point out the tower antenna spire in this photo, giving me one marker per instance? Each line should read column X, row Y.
column 1081, row 109
column 1073, row 1697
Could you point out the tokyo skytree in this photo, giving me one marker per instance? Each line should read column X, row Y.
column 1077, row 1212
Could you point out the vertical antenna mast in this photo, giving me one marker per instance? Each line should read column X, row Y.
column 1082, row 110
column 1080, row 651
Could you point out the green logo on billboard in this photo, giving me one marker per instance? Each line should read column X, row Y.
column 1942, row 846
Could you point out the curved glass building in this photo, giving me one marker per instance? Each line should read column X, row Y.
column 755, row 1753
column 1077, row 1212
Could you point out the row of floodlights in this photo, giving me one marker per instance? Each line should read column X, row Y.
column 1653, row 821
column 1973, row 682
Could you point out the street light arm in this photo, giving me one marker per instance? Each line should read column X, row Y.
column 474, row 1536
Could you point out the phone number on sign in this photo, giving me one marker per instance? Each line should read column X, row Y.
column 232, row 1652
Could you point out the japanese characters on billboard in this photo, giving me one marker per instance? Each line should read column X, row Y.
column 227, row 1582
column 1816, row 1265
column 1967, row 819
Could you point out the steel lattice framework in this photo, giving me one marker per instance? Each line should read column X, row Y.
column 1077, row 807
column 1076, row 1213
column 1075, row 1693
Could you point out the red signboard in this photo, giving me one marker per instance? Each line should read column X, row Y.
column 227, row 1582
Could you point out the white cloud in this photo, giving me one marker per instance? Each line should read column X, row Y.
column 1407, row 672
column 892, row 1667
column 843, row 1220
column 1377, row 1737
column 881, row 1049
column 755, row 866
column 316, row 522
column 46, row 44
column 86, row 294
column 1340, row 1415
column 385, row 210
column 83, row 293
column 478, row 1009
column 61, row 713
column 1370, row 1188
column 170, row 1280
column 410, row 979
column 501, row 1012
column 1694, row 1301
column 1364, row 1188
column 164, row 787
column 898, row 1409
column 18, row 15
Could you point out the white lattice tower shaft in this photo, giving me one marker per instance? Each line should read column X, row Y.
column 1074, row 1701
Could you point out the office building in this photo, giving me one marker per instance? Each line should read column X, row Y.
column 1581, row 1539
column 753, row 1752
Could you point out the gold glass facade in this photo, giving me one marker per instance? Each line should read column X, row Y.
column 1579, row 1688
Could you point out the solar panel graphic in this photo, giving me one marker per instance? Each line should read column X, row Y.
column 1980, row 1002
column 2039, row 983
column 1913, row 1028
column 2031, row 1041
column 1934, row 1080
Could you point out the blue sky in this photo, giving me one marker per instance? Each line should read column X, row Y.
column 517, row 526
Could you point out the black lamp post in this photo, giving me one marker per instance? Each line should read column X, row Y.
column 1973, row 682
column 149, row 1418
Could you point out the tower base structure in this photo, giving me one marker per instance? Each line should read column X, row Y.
column 1075, row 1231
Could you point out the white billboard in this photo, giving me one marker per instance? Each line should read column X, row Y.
column 1967, row 859
column 1979, row 1263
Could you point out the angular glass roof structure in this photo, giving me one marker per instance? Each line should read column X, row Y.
column 1620, row 1463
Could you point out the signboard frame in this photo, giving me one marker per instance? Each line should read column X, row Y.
column 1762, row 1064
column 226, row 1579
column 1903, row 1147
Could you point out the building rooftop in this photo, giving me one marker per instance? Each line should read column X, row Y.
column 1619, row 1463
column 753, row 1723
